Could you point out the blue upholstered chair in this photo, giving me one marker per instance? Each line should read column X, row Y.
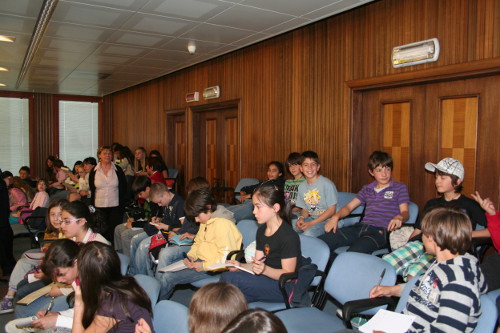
column 351, row 277
column 170, row 316
column 242, row 183
column 150, row 285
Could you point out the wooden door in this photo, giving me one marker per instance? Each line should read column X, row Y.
column 176, row 154
column 427, row 122
column 216, row 146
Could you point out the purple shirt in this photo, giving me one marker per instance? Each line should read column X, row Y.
column 381, row 207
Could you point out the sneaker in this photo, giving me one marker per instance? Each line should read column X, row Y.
column 6, row 306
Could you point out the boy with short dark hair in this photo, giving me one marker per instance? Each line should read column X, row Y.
column 215, row 239
column 317, row 197
column 25, row 175
column 172, row 210
column 386, row 209
column 411, row 259
column 446, row 297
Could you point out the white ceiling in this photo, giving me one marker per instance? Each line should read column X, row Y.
column 97, row 47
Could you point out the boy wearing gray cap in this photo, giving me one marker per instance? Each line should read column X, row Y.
column 411, row 259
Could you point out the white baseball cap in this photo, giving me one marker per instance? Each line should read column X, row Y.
column 447, row 165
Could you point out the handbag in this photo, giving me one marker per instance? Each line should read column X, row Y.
column 157, row 243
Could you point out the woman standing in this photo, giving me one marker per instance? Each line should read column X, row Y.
column 108, row 187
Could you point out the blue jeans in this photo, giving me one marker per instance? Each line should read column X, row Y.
column 242, row 211
column 170, row 279
column 134, row 244
column 360, row 237
column 170, row 255
column 142, row 260
column 255, row 287
column 314, row 231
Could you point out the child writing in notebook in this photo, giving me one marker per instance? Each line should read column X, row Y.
column 214, row 240
column 277, row 251
column 446, row 297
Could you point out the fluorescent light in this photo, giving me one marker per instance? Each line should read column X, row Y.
column 9, row 39
column 2, row 85
column 4, row 69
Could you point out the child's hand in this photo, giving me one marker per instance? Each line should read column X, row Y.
column 39, row 274
column 258, row 266
column 187, row 235
column 142, row 327
column 45, row 321
column 54, row 292
column 235, row 263
column 395, row 223
column 161, row 226
column 485, row 204
column 332, row 224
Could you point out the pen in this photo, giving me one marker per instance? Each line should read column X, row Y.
column 184, row 254
column 263, row 258
column 381, row 277
column 51, row 304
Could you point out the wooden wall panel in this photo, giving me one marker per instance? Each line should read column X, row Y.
column 396, row 138
column 458, row 135
column 292, row 89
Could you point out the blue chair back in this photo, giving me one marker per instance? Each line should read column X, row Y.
column 488, row 320
column 317, row 250
column 403, row 299
column 248, row 229
column 413, row 212
column 170, row 316
column 353, row 275
column 124, row 263
column 242, row 183
column 150, row 285
column 173, row 173
column 343, row 198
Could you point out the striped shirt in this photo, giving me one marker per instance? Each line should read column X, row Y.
column 446, row 297
column 382, row 206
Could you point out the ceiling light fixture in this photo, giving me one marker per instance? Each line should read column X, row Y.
column 191, row 47
column 2, row 85
column 9, row 39
column 46, row 12
column 4, row 69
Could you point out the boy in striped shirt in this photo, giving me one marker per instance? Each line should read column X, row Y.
column 386, row 209
column 446, row 297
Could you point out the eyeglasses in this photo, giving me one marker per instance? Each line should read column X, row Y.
column 68, row 222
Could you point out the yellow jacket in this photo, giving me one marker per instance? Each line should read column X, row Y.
column 214, row 241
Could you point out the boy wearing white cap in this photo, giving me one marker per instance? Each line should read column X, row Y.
column 411, row 259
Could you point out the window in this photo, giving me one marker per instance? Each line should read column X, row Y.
column 14, row 126
column 78, row 126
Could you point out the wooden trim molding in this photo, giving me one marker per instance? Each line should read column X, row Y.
column 452, row 72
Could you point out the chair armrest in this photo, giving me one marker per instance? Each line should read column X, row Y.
column 240, row 254
column 349, row 309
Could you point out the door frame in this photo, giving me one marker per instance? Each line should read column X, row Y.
column 191, row 111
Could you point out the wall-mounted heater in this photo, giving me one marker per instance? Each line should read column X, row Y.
column 211, row 92
column 415, row 53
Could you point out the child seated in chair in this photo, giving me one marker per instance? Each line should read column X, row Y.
column 386, row 209
column 446, row 297
column 411, row 259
